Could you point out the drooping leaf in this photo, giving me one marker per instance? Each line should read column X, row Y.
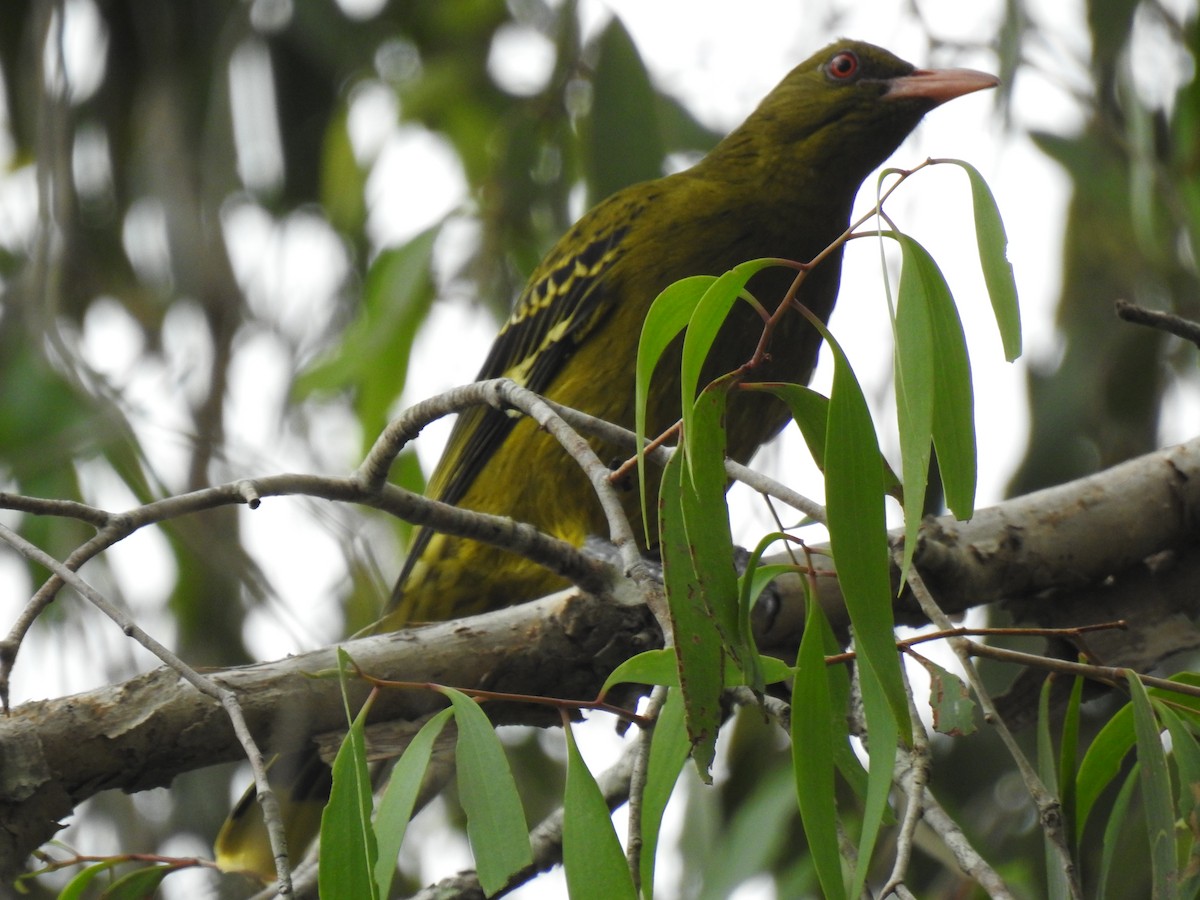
column 1157, row 802
column 854, row 490
column 914, row 383
column 668, row 751
column 698, row 645
column 706, row 322
column 592, row 858
column 400, row 797
column 495, row 818
column 812, row 755
column 668, row 316
column 993, row 259
column 349, row 852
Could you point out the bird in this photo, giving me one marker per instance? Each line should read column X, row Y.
column 780, row 185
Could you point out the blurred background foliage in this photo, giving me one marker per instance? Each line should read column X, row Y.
column 177, row 134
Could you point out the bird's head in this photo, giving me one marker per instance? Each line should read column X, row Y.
column 843, row 111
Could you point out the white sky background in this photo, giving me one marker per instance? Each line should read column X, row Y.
column 720, row 58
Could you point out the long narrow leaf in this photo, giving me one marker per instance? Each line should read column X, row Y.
column 706, row 322
column 706, row 519
column 1111, row 849
column 1155, row 782
column 1068, row 761
column 668, row 752
column 400, row 797
column 495, row 818
column 885, row 737
column 667, row 317
column 698, row 645
column 993, row 259
column 914, row 380
column 592, row 858
column 812, row 756
column 349, row 852
column 858, row 528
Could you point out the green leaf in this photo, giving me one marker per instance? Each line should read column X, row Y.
column 1155, row 782
column 858, row 529
column 812, row 755
column 349, row 852
column 706, row 519
column 993, row 260
column 706, row 322
column 372, row 357
column 593, row 861
column 1102, row 762
column 668, row 316
column 810, row 410
column 914, row 382
column 1186, row 752
column 648, row 667
column 885, row 736
column 1111, row 848
column 138, row 884
column 950, row 370
column 668, row 751
column 496, row 823
column 400, row 797
column 75, row 888
column 698, row 646
column 1068, row 761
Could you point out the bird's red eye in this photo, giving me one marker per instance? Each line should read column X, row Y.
column 843, row 66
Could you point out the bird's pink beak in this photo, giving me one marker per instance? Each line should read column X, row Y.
column 939, row 85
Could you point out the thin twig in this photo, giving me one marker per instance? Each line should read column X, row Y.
column 1168, row 322
column 208, row 687
column 1049, row 809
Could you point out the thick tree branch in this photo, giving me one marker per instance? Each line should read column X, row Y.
column 1120, row 544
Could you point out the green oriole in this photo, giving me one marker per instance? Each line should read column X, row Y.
column 781, row 185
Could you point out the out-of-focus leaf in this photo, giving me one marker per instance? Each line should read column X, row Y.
column 1111, row 848
column 624, row 139
column 372, row 357
column 76, row 887
column 138, row 884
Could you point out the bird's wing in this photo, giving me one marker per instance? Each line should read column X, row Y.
column 566, row 298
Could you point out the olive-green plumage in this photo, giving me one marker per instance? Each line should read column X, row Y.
column 781, row 185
